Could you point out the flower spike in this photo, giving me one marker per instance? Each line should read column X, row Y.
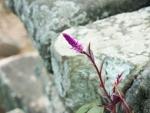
column 73, row 42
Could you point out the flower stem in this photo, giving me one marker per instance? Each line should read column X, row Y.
column 99, row 74
column 124, row 102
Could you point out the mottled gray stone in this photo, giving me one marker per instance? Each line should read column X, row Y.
column 47, row 18
column 56, row 104
column 22, row 86
column 7, row 100
column 122, row 41
column 16, row 111
column 138, row 96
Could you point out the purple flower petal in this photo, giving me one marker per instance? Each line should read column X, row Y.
column 73, row 42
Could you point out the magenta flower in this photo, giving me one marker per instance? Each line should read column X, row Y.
column 73, row 42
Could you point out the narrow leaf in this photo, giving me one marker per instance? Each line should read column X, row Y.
column 90, row 52
column 85, row 108
column 96, row 109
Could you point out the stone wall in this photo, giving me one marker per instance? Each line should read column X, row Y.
column 45, row 19
column 123, row 40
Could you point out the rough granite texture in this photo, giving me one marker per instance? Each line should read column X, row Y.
column 139, row 94
column 45, row 19
column 122, row 41
column 21, row 85
column 10, row 101
column 113, row 38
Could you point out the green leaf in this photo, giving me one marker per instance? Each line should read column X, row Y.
column 85, row 108
column 96, row 109
column 90, row 108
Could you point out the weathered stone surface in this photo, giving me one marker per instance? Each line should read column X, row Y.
column 139, row 94
column 13, row 36
column 47, row 18
column 123, row 40
column 56, row 103
column 22, row 83
column 16, row 111
column 8, row 47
